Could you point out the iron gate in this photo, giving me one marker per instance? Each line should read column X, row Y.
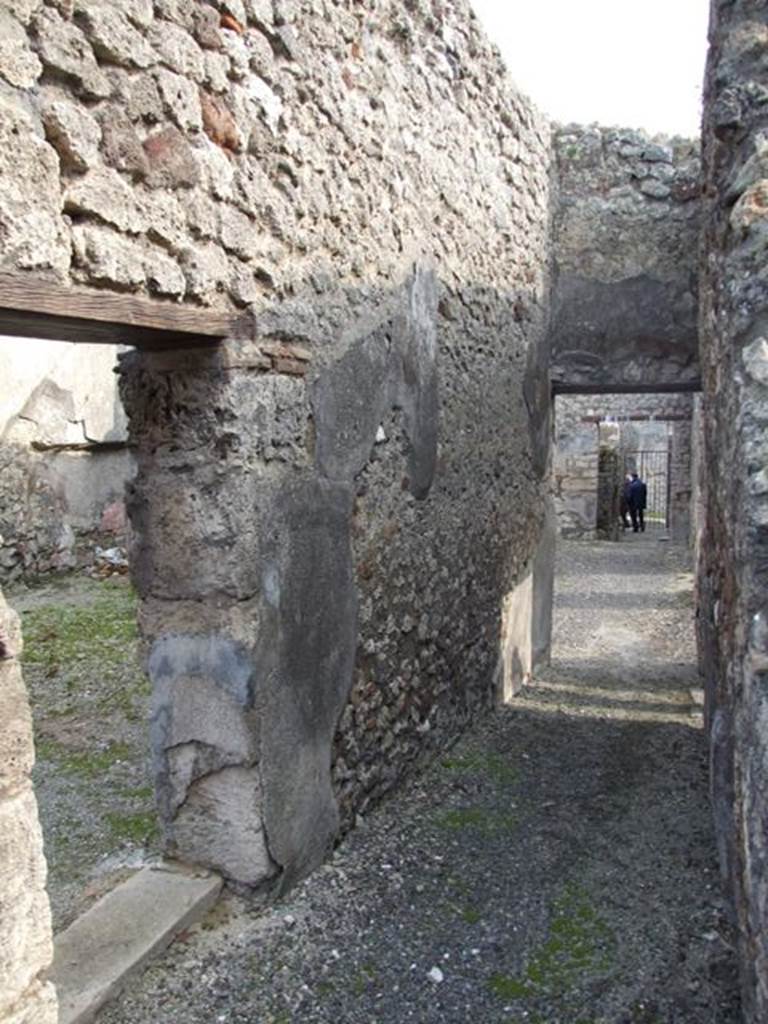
column 653, row 468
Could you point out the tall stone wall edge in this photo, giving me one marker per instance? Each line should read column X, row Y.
column 26, row 943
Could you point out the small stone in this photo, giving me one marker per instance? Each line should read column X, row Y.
column 102, row 193
column 178, row 50
column 654, row 153
column 755, row 356
column 63, row 48
column 121, row 146
column 19, row 66
column 289, row 920
column 238, row 233
column 112, row 35
column 436, row 975
column 181, row 99
column 654, row 189
column 72, row 132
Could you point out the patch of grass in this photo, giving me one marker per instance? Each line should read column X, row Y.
column 485, row 763
column 88, row 764
column 57, row 635
column 579, row 943
column 478, row 819
column 364, row 978
column 136, row 828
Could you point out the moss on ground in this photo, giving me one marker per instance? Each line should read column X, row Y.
column 483, row 820
column 484, row 763
column 140, row 827
column 579, row 946
column 89, row 764
column 57, row 634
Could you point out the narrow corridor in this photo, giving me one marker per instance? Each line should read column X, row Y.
column 556, row 866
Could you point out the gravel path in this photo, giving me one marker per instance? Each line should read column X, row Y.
column 556, row 867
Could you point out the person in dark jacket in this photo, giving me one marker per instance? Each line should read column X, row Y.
column 624, row 502
column 637, row 500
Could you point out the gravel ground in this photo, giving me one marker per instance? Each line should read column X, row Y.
column 555, row 867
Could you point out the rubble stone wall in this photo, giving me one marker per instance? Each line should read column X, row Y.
column 733, row 571
column 332, row 511
column 625, row 248
column 26, row 947
column 63, row 455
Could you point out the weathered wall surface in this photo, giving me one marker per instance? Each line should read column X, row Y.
column 26, row 948
column 329, row 514
column 733, row 577
column 63, row 461
column 625, row 245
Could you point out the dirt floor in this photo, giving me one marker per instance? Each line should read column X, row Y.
column 555, row 867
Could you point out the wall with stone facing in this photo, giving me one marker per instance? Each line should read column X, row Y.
column 733, row 570
column 26, row 948
column 63, row 455
column 330, row 513
column 625, row 247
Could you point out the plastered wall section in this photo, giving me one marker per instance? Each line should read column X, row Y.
column 330, row 511
column 733, row 573
column 26, row 948
column 625, row 242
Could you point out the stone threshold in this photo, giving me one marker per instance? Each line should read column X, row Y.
column 118, row 935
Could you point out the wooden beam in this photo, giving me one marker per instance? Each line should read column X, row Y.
column 33, row 307
column 620, row 388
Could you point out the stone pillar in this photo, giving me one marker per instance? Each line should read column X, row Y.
column 242, row 562
column 26, row 948
column 680, row 481
column 544, row 589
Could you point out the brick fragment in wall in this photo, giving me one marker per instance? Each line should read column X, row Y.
column 218, row 122
column 172, row 162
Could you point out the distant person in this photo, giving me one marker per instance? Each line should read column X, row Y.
column 637, row 499
column 624, row 502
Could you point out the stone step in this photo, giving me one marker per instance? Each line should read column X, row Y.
column 118, row 935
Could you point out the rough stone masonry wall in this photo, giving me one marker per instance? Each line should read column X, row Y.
column 733, row 571
column 26, row 947
column 63, row 459
column 332, row 510
column 625, row 248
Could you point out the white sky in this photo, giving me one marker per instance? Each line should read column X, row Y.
column 629, row 63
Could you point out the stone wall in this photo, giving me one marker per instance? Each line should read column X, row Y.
column 63, row 455
column 733, row 571
column 337, row 514
column 625, row 246
column 26, row 948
